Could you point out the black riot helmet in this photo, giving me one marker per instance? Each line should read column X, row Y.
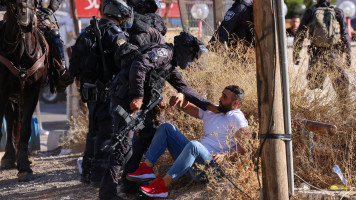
column 119, row 9
column 54, row 4
column 188, row 49
column 145, row 6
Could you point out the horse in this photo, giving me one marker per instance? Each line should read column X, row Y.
column 23, row 68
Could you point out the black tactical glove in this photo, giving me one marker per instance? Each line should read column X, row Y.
column 54, row 4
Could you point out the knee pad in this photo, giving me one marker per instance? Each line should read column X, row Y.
column 56, row 41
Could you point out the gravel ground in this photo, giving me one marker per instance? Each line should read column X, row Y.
column 57, row 177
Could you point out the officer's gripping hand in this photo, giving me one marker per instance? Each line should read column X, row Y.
column 177, row 100
column 135, row 105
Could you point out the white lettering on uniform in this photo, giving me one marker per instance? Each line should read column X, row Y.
column 162, row 52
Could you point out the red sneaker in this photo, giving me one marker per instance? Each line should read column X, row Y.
column 155, row 189
column 143, row 173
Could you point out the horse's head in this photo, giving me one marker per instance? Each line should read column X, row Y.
column 23, row 10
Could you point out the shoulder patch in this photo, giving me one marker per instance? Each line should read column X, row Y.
column 229, row 15
column 162, row 52
column 120, row 42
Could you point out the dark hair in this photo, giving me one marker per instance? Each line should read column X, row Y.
column 239, row 93
column 295, row 16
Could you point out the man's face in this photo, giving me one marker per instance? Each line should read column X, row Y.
column 226, row 101
column 294, row 23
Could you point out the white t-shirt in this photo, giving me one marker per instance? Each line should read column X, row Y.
column 219, row 129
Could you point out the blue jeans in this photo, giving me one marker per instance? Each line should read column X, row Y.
column 187, row 154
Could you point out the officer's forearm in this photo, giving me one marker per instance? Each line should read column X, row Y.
column 195, row 98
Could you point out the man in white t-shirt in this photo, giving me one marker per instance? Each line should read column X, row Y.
column 221, row 130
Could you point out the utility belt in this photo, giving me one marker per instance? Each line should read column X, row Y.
column 92, row 92
column 89, row 92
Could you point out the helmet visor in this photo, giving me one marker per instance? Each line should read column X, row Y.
column 128, row 20
column 203, row 56
column 186, row 59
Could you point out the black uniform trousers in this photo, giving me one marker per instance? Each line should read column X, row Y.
column 100, row 130
column 139, row 146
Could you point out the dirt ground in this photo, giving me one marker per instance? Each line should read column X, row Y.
column 57, row 177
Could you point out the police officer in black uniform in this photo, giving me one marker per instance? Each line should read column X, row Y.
column 115, row 13
column 147, row 29
column 237, row 24
column 326, row 60
column 135, row 93
column 146, row 23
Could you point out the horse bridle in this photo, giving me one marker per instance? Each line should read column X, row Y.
column 23, row 10
column 15, row 7
column 24, row 73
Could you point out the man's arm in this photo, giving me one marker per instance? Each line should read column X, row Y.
column 176, row 80
column 345, row 37
column 184, row 105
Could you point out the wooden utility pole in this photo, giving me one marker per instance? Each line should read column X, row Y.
column 73, row 99
column 73, row 10
column 183, row 15
column 219, row 12
column 274, row 166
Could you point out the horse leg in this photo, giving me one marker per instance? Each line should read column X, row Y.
column 11, row 115
column 16, row 128
column 30, row 96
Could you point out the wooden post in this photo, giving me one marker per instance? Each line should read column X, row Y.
column 274, row 165
column 219, row 12
column 183, row 15
column 73, row 97
column 75, row 17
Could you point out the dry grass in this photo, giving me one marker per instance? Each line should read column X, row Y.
column 78, row 129
column 227, row 67
column 328, row 150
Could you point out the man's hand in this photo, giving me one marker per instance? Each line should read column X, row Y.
column 219, row 158
column 177, row 100
column 162, row 104
column 135, row 105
